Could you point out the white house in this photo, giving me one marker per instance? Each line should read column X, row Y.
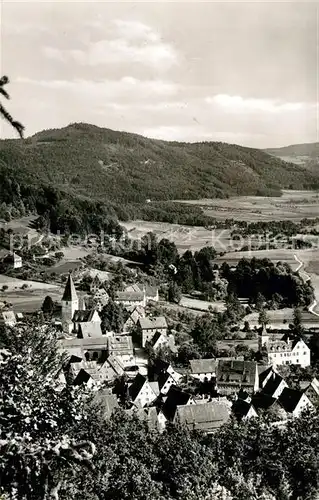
column 142, row 392
column 294, row 401
column 149, row 326
column 284, row 351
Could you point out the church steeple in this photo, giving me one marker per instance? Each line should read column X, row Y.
column 70, row 303
column 69, row 291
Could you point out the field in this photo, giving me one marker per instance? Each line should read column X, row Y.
column 292, row 205
column 201, row 305
column 29, row 299
column 185, row 237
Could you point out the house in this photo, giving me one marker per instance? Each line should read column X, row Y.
column 98, row 300
column 175, row 397
column 141, row 391
column 89, row 371
column 128, row 299
column 160, row 341
column 95, row 284
column 149, row 326
column 150, row 292
column 88, row 317
column 106, row 402
column 122, row 347
column 206, row 417
column 294, row 401
column 166, row 380
column 135, row 313
column 107, row 371
column 312, row 392
column 93, row 348
column 8, row 317
column 156, row 369
column 284, row 351
column 243, row 410
column 13, row 260
column 203, row 369
column 271, row 383
column 233, row 375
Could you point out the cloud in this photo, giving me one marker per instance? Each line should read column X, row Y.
column 127, row 42
column 127, row 89
column 239, row 104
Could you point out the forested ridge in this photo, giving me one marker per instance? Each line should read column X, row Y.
column 81, row 166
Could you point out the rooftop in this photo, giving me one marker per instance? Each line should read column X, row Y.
column 203, row 365
column 151, row 323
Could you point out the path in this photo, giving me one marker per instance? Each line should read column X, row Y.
column 306, row 276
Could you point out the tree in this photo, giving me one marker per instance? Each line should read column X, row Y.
column 4, row 113
column 39, row 447
column 112, row 317
column 263, row 318
column 174, row 293
column 48, row 306
column 297, row 322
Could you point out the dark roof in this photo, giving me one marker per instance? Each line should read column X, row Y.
column 175, row 397
column 262, row 401
column 239, row 372
column 203, row 365
column 289, row 398
column 241, row 408
column 83, row 316
column 263, row 374
column 203, row 416
column 272, row 384
column 162, row 379
column 155, row 338
column 136, row 386
column 69, row 291
column 157, row 368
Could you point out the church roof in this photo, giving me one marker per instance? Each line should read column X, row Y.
column 69, row 291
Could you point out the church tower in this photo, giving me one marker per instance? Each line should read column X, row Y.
column 263, row 338
column 70, row 303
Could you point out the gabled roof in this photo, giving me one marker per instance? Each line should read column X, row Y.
column 149, row 323
column 203, row 416
column 236, row 372
column 136, row 386
column 129, row 296
column 272, row 384
column 262, row 401
column 203, row 365
column 175, row 397
column 120, row 343
column 107, row 402
column 241, row 408
column 116, row 364
column 83, row 316
column 69, row 294
column 90, row 330
column 289, row 399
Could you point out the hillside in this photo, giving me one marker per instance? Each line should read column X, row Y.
column 89, row 164
column 300, row 154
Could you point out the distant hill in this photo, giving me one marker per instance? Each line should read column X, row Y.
column 92, row 164
column 299, row 154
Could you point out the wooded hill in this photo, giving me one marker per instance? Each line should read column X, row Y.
column 85, row 163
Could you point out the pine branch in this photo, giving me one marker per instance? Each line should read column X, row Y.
column 4, row 113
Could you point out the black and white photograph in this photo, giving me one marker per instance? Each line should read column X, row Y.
column 159, row 250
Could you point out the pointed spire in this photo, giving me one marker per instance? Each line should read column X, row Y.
column 69, row 292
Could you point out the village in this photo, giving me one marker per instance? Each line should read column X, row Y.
column 134, row 368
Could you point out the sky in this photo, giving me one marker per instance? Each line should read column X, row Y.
column 239, row 72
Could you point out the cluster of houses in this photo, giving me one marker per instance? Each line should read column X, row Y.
column 158, row 392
